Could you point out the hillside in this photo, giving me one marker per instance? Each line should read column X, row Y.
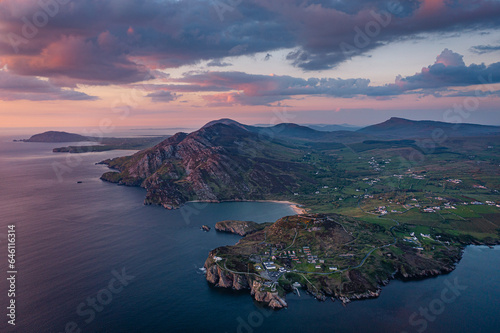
column 452, row 185
column 403, row 128
column 216, row 163
column 333, row 127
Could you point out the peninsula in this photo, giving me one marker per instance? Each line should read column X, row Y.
column 329, row 256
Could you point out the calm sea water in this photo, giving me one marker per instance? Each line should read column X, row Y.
column 74, row 238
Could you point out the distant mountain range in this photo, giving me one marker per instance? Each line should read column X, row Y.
column 332, row 128
column 325, row 128
column 399, row 128
column 226, row 160
column 394, row 128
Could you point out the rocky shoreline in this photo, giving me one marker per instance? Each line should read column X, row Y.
column 224, row 278
column 234, row 266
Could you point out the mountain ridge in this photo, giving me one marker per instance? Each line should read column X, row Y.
column 402, row 128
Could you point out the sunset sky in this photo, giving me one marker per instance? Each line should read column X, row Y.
column 167, row 63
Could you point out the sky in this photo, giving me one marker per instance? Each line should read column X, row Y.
column 182, row 63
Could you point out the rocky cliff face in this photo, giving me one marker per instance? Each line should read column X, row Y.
column 216, row 163
column 273, row 300
column 227, row 279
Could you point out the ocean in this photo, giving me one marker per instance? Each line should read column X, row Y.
column 81, row 242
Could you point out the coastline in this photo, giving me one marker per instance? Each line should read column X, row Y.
column 295, row 206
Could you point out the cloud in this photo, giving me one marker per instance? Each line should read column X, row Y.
column 99, row 42
column 450, row 58
column 74, row 60
column 328, row 33
column 481, row 49
column 182, row 87
column 254, row 89
column 163, row 96
column 449, row 70
column 15, row 87
column 218, row 63
column 239, row 88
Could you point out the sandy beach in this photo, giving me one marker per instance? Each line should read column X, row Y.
column 295, row 206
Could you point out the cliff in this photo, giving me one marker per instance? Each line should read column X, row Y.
column 225, row 278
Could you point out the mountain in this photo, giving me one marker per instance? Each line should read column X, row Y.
column 229, row 161
column 295, row 132
column 227, row 121
column 55, row 136
column 399, row 128
column 216, row 163
column 333, row 127
column 289, row 130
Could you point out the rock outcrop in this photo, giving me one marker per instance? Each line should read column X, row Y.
column 272, row 299
column 241, row 228
column 239, row 281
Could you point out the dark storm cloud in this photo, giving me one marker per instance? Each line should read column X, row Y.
column 122, row 41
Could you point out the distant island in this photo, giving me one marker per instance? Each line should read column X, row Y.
column 398, row 199
column 57, row 136
column 100, row 144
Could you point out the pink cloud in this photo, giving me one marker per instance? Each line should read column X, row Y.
column 16, row 87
